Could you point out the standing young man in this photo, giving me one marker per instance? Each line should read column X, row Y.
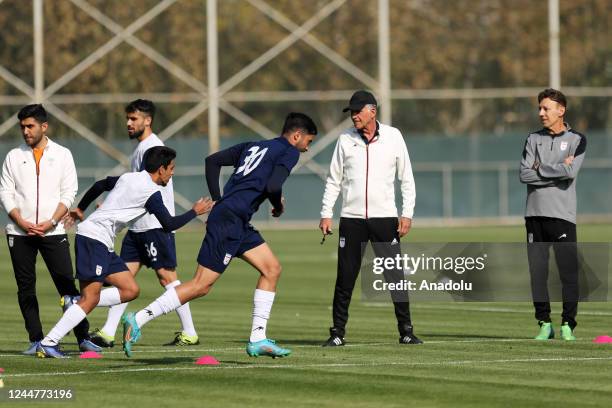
column 261, row 168
column 551, row 160
column 146, row 243
column 39, row 183
column 366, row 160
column 131, row 196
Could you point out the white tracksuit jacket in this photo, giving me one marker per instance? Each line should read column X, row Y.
column 366, row 173
column 37, row 196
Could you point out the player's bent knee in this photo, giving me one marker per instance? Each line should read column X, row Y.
column 203, row 290
column 130, row 293
column 272, row 271
column 134, row 292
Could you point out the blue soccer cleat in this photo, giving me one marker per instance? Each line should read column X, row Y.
column 88, row 345
column 50, row 352
column 66, row 301
column 31, row 350
column 131, row 332
column 266, row 347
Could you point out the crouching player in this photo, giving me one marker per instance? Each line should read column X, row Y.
column 261, row 168
column 130, row 197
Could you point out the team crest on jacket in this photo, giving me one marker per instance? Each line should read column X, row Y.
column 11, row 242
column 227, row 259
column 342, row 242
column 563, row 146
column 98, row 270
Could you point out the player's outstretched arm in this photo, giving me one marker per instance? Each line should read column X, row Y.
column 155, row 205
column 99, row 187
column 96, row 191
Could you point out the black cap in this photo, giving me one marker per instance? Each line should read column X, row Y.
column 359, row 100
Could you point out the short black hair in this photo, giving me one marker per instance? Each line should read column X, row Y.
column 553, row 95
column 142, row 105
column 299, row 121
column 158, row 156
column 35, row 111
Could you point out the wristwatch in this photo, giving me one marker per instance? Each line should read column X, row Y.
column 53, row 222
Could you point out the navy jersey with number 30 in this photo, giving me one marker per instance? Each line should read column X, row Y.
column 254, row 163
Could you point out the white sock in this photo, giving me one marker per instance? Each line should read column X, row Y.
column 262, row 305
column 164, row 304
column 114, row 317
column 184, row 313
column 109, row 297
column 73, row 316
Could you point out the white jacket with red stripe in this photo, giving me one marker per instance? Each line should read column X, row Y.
column 365, row 175
column 37, row 196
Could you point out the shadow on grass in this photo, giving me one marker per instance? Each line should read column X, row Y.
column 161, row 361
column 16, row 352
column 238, row 363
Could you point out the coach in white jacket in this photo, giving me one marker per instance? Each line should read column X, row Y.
column 366, row 160
column 38, row 185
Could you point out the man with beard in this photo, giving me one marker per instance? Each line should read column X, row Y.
column 39, row 183
column 146, row 243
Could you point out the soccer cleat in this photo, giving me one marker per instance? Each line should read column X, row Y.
column 131, row 332
column 32, row 349
column 183, row 339
column 546, row 331
column 410, row 338
column 335, row 338
column 567, row 333
column 88, row 345
column 266, row 347
column 101, row 339
column 50, row 352
column 66, row 301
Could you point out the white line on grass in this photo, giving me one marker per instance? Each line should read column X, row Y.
column 320, row 365
column 191, row 350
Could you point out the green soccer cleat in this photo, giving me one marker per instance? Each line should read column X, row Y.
column 131, row 332
column 546, row 331
column 183, row 339
column 567, row 333
column 101, row 339
column 266, row 347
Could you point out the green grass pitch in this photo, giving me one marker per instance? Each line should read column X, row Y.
column 475, row 354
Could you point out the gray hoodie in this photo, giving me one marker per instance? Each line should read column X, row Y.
column 551, row 186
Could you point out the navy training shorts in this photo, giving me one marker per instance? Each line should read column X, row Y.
column 227, row 236
column 155, row 248
column 94, row 262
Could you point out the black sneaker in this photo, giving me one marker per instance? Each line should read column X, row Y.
column 335, row 338
column 410, row 338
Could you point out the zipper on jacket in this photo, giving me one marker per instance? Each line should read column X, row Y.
column 37, row 187
column 367, row 169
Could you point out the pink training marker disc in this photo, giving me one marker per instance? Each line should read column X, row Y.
column 602, row 339
column 90, row 354
column 207, row 360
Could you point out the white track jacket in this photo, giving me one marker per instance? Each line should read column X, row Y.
column 37, row 195
column 366, row 173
